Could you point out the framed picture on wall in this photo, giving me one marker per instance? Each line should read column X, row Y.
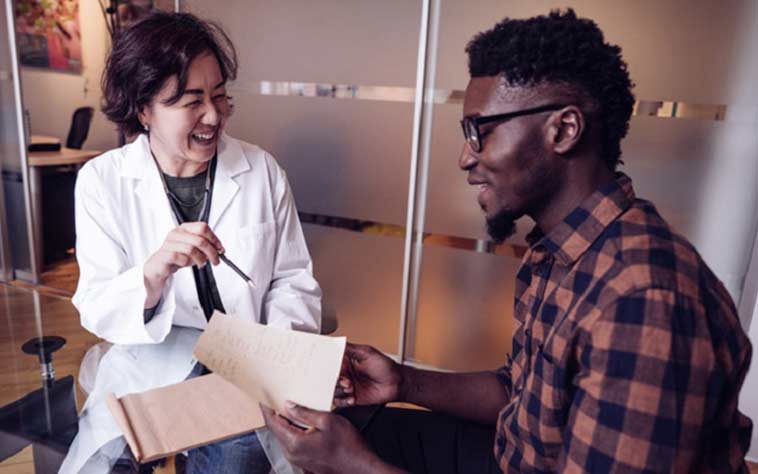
column 48, row 34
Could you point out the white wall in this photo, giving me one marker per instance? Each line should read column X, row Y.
column 51, row 97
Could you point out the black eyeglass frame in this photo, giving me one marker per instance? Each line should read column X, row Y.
column 475, row 142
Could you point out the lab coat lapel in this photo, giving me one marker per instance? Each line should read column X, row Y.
column 231, row 162
column 139, row 164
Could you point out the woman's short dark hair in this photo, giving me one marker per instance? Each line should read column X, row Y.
column 150, row 52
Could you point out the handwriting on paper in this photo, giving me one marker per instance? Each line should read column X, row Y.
column 272, row 364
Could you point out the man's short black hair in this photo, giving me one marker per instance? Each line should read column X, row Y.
column 561, row 48
column 150, row 52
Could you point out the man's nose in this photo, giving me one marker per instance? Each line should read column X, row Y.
column 468, row 158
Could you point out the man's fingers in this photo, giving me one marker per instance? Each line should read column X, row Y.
column 342, row 393
column 344, row 402
column 282, row 429
column 344, row 387
column 314, row 418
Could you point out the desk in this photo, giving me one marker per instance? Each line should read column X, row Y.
column 64, row 156
column 39, row 161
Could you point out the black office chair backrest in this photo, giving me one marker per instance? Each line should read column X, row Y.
column 80, row 122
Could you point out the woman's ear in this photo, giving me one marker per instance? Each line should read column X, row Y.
column 144, row 117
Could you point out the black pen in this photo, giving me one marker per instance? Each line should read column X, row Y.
column 236, row 269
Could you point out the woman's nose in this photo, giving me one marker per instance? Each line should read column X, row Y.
column 212, row 114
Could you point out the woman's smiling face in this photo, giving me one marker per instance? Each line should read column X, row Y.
column 184, row 135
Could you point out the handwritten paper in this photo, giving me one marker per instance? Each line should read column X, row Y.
column 171, row 419
column 273, row 365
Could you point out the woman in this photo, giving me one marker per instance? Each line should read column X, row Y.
column 153, row 219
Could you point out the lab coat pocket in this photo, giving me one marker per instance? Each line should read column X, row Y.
column 257, row 252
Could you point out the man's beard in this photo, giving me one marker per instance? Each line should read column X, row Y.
column 501, row 226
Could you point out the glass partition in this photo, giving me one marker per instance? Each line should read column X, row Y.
column 327, row 88
column 691, row 149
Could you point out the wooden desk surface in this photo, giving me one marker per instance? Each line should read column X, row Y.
column 64, row 156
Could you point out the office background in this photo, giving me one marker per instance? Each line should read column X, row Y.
column 360, row 101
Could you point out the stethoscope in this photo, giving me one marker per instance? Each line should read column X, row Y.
column 174, row 202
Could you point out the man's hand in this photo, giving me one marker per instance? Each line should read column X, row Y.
column 368, row 377
column 330, row 445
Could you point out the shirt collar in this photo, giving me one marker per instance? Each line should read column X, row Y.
column 581, row 227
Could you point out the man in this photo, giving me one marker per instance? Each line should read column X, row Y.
column 628, row 355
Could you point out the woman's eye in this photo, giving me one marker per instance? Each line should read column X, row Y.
column 194, row 103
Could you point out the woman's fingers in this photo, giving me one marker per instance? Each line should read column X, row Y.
column 178, row 250
column 201, row 243
column 202, row 229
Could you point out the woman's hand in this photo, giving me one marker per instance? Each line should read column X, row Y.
column 192, row 243
column 368, row 377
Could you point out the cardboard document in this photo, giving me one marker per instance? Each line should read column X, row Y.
column 271, row 364
column 251, row 364
column 172, row 419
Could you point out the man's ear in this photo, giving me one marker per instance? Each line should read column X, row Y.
column 566, row 127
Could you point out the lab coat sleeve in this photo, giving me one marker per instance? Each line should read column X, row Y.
column 294, row 297
column 111, row 292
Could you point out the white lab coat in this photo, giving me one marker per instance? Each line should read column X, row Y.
column 123, row 217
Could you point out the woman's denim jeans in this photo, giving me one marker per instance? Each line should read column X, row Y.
column 241, row 455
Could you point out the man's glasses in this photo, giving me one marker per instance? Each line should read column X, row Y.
column 471, row 124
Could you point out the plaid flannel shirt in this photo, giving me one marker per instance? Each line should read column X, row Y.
column 628, row 355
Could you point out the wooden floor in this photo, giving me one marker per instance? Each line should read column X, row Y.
column 20, row 372
column 62, row 276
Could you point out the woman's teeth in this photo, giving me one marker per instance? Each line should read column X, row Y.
column 203, row 136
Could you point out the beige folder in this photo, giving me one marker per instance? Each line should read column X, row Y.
column 172, row 419
column 252, row 363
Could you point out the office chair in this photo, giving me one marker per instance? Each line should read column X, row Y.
column 80, row 122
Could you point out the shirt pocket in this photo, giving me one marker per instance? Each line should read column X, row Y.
column 256, row 247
